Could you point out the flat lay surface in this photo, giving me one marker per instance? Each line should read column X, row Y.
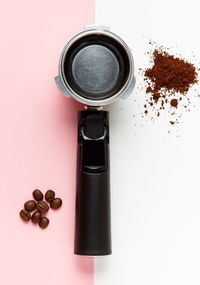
column 155, row 193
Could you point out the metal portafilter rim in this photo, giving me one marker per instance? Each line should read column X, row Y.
column 66, row 89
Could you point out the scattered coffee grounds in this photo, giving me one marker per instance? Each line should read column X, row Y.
column 56, row 203
column 174, row 103
column 25, row 215
column 36, row 217
column 49, row 196
column 149, row 90
column 42, row 208
column 30, row 205
column 44, row 222
column 37, row 195
column 169, row 77
column 156, row 96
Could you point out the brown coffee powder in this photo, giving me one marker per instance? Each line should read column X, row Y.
column 169, row 76
column 173, row 74
column 174, row 103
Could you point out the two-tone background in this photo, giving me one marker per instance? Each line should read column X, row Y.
column 155, row 174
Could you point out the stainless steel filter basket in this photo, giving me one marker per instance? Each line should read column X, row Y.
column 96, row 67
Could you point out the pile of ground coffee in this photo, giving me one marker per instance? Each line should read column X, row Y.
column 41, row 207
column 168, row 80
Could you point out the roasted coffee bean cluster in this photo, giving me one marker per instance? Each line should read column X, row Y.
column 41, row 207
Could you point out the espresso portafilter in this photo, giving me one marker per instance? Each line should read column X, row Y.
column 96, row 68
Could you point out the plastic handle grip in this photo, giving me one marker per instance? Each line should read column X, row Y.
column 92, row 221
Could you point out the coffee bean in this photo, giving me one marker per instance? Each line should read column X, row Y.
column 43, row 222
column 36, row 217
column 37, row 195
column 56, row 203
column 49, row 196
column 42, row 206
column 30, row 205
column 25, row 215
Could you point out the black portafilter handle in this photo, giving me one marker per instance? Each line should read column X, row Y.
column 92, row 221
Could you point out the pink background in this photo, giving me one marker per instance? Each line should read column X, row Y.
column 38, row 141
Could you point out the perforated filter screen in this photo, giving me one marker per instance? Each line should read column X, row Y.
column 95, row 69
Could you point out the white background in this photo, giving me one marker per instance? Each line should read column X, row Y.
column 155, row 174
